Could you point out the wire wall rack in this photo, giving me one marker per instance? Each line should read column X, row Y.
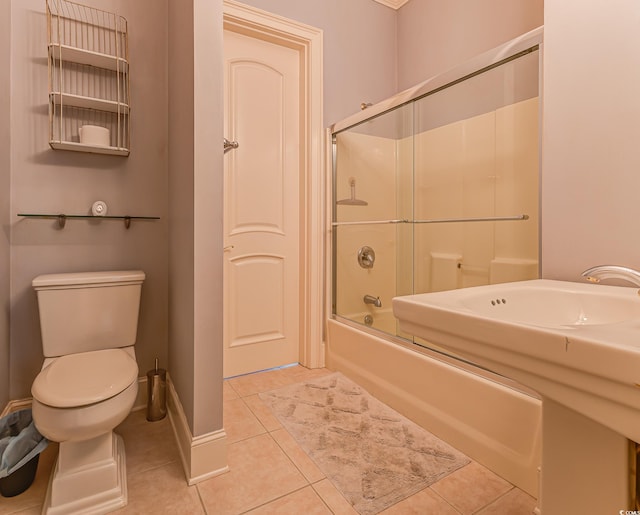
column 88, row 53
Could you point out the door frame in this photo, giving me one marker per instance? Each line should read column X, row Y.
column 247, row 20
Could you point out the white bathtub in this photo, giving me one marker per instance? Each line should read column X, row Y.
column 490, row 421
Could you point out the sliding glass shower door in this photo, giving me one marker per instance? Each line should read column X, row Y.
column 440, row 192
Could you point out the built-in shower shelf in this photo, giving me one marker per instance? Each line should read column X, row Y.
column 62, row 218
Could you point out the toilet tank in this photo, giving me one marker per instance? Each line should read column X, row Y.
column 88, row 311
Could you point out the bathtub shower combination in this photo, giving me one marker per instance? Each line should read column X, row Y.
column 434, row 189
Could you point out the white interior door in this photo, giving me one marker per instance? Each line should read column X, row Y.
column 262, row 205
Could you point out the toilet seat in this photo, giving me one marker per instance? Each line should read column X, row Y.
column 85, row 378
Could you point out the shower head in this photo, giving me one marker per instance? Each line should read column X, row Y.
column 353, row 201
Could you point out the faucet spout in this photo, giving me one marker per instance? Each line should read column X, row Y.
column 597, row 273
column 370, row 299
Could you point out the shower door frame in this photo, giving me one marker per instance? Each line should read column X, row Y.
column 307, row 40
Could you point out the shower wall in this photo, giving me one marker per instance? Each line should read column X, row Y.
column 483, row 166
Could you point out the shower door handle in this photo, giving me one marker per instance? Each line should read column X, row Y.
column 229, row 145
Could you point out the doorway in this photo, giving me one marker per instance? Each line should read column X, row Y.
column 273, row 192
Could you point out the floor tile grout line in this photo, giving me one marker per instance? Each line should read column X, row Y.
column 291, row 459
column 202, row 503
column 444, row 499
column 232, row 387
column 282, row 497
column 249, row 438
column 255, row 415
column 493, row 500
column 320, row 495
column 147, row 470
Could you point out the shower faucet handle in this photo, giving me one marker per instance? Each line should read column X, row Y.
column 366, row 257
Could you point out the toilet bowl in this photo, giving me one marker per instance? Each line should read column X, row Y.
column 87, row 386
column 78, row 400
column 81, row 396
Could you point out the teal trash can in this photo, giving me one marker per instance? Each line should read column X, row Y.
column 20, row 448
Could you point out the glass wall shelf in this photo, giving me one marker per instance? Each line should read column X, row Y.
column 62, row 218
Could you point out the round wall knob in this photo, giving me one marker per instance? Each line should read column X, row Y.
column 99, row 208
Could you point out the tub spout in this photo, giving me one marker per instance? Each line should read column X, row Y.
column 370, row 299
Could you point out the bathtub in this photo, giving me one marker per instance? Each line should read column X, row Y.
column 492, row 420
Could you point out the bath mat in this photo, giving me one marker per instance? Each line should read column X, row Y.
column 373, row 455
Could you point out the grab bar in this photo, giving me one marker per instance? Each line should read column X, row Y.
column 436, row 220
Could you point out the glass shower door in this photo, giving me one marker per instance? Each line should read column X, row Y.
column 439, row 193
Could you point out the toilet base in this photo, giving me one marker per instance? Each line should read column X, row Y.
column 89, row 477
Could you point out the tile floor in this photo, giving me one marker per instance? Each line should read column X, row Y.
column 270, row 474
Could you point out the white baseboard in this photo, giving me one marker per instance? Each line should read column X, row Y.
column 16, row 405
column 202, row 456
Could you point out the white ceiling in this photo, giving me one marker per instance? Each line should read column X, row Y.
column 394, row 4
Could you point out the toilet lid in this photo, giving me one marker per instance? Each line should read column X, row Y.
column 85, row 378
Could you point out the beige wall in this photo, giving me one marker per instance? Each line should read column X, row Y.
column 5, row 217
column 434, row 36
column 359, row 49
column 48, row 181
column 181, row 196
column 591, row 162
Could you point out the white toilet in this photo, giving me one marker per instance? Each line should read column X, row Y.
column 88, row 384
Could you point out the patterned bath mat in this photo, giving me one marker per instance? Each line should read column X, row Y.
column 372, row 454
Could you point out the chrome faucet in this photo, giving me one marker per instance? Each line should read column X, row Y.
column 596, row 273
column 370, row 299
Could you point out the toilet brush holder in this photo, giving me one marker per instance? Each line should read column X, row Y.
column 156, row 394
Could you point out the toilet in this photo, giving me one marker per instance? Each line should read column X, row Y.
column 88, row 384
